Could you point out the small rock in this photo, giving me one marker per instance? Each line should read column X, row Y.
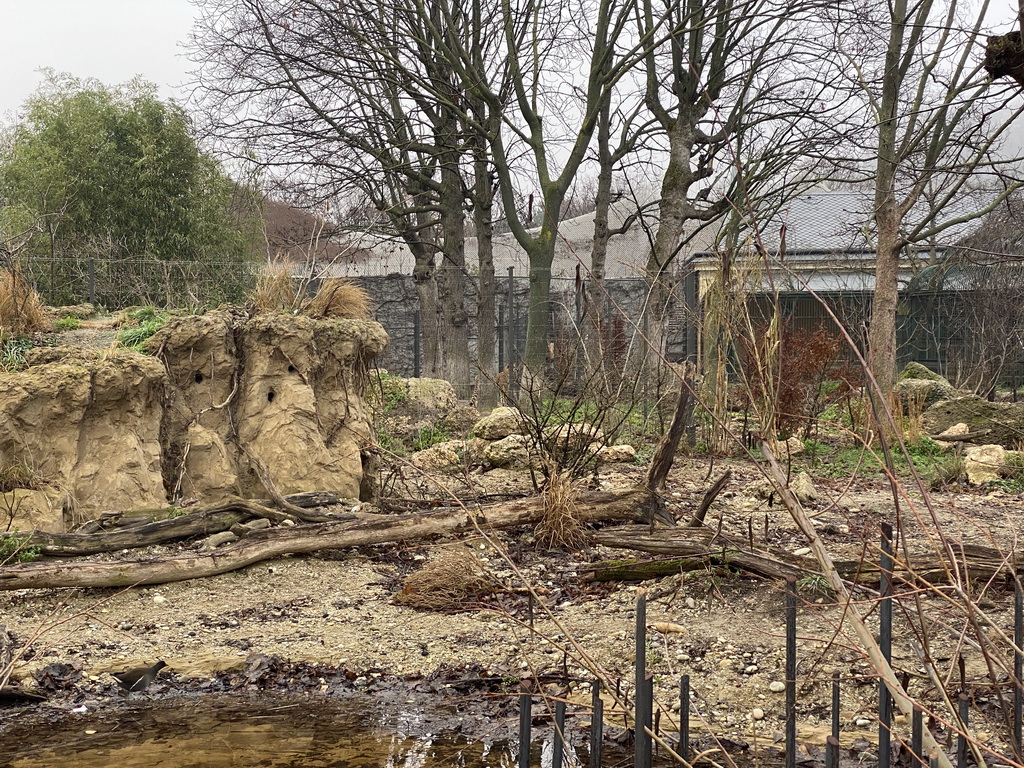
column 803, row 488
column 212, row 542
column 862, row 722
column 776, row 686
column 690, row 603
column 751, row 670
column 159, row 599
column 757, row 713
column 802, row 551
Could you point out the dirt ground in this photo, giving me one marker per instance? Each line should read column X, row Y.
column 339, row 609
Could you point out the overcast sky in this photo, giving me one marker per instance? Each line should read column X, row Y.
column 110, row 40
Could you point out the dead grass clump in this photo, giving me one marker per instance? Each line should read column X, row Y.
column 275, row 290
column 21, row 309
column 18, row 476
column 561, row 526
column 340, row 298
column 453, row 578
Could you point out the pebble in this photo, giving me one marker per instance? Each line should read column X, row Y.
column 802, row 551
column 159, row 599
column 751, row 670
column 757, row 713
column 862, row 722
column 691, row 603
column 776, row 686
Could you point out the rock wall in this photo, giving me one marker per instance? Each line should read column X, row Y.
column 221, row 393
column 86, row 423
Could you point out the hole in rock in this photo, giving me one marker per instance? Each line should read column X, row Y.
column 291, row 369
column 270, row 396
column 199, row 378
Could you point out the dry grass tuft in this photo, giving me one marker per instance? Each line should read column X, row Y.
column 340, row 298
column 561, row 525
column 453, row 578
column 21, row 309
column 275, row 290
column 18, row 476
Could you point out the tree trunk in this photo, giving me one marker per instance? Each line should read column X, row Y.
column 486, row 310
column 631, row 504
column 454, row 340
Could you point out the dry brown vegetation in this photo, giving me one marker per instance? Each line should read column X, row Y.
column 21, row 308
column 277, row 291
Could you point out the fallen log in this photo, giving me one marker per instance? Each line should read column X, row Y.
column 202, row 521
column 630, row 504
column 688, row 548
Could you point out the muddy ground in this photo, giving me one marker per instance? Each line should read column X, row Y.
column 330, row 622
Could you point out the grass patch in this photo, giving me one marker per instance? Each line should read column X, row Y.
column 138, row 325
column 64, row 324
column 429, row 436
column 12, row 352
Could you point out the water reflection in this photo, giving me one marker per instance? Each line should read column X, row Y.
column 219, row 732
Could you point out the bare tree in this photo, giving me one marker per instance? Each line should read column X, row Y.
column 930, row 151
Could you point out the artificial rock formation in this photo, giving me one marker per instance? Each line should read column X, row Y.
column 86, row 422
column 222, row 397
column 282, row 390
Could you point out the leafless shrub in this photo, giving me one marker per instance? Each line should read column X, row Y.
column 447, row 582
column 21, row 308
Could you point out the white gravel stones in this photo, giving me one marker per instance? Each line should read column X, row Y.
column 776, row 686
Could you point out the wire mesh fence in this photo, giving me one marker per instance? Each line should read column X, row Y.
column 946, row 330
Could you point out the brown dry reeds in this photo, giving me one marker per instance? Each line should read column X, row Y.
column 275, row 290
column 447, row 582
column 21, row 309
column 560, row 526
column 340, row 298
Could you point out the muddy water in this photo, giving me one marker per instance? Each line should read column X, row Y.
column 221, row 732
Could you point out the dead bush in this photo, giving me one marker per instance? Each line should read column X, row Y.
column 561, row 526
column 340, row 298
column 449, row 581
column 275, row 290
column 21, row 309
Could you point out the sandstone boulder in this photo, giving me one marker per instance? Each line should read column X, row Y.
column 616, row 454
column 511, row 452
column 918, row 386
column 499, row 424
column 984, row 463
column 1005, row 421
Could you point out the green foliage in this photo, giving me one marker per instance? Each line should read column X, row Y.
column 63, row 324
column 12, row 352
column 814, row 585
column 117, row 173
column 1012, row 480
column 387, row 392
column 133, row 338
column 429, row 436
column 15, row 549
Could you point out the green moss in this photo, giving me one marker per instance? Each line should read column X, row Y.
column 63, row 324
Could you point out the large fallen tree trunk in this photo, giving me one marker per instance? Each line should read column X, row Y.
column 631, row 504
column 199, row 522
column 687, row 548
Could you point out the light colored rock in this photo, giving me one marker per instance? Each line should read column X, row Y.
column 918, row 387
column 984, row 463
column 435, row 395
column 616, row 454
column 794, row 446
column 574, row 435
column 803, row 488
column 499, row 424
column 757, row 713
column 776, row 686
column 26, row 509
column 956, row 429
column 436, row 457
column 217, row 539
column 1005, row 421
column 87, row 421
column 511, row 452
column 209, row 470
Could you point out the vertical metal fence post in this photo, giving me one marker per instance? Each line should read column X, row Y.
column 1018, row 669
column 559, row 740
column 885, row 644
column 791, row 672
column 525, row 716
column 596, row 725
column 961, row 741
column 501, row 338
column 92, row 281
column 417, row 325
column 684, row 717
column 639, row 682
column 831, row 749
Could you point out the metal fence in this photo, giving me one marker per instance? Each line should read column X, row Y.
column 931, row 325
